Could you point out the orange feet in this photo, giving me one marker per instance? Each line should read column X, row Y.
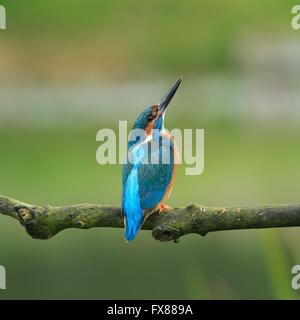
column 164, row 207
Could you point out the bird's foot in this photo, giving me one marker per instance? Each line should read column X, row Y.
column 164, row 207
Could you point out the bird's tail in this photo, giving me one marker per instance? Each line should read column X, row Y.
column 133, row 223
column 133, row 212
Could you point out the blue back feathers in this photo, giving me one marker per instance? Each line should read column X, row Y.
column 131, row 199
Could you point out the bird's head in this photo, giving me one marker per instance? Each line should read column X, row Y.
column 153, row 117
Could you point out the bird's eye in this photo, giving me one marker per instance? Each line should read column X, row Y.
column 153, row 113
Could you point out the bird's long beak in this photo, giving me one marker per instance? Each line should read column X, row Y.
column 168, row 97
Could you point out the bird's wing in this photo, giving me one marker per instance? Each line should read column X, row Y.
column 126, row 169
column 154, row 180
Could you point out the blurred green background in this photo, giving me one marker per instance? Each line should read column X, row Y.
column 68, row 69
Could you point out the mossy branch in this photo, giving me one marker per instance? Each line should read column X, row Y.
column 43, row 222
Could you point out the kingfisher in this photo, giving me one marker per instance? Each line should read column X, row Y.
column 149, row 172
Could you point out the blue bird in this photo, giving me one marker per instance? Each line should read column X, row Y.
column 148, row 174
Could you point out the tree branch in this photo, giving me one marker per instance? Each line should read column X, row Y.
column 45, row 222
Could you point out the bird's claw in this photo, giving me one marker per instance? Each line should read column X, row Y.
column 164, row 207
